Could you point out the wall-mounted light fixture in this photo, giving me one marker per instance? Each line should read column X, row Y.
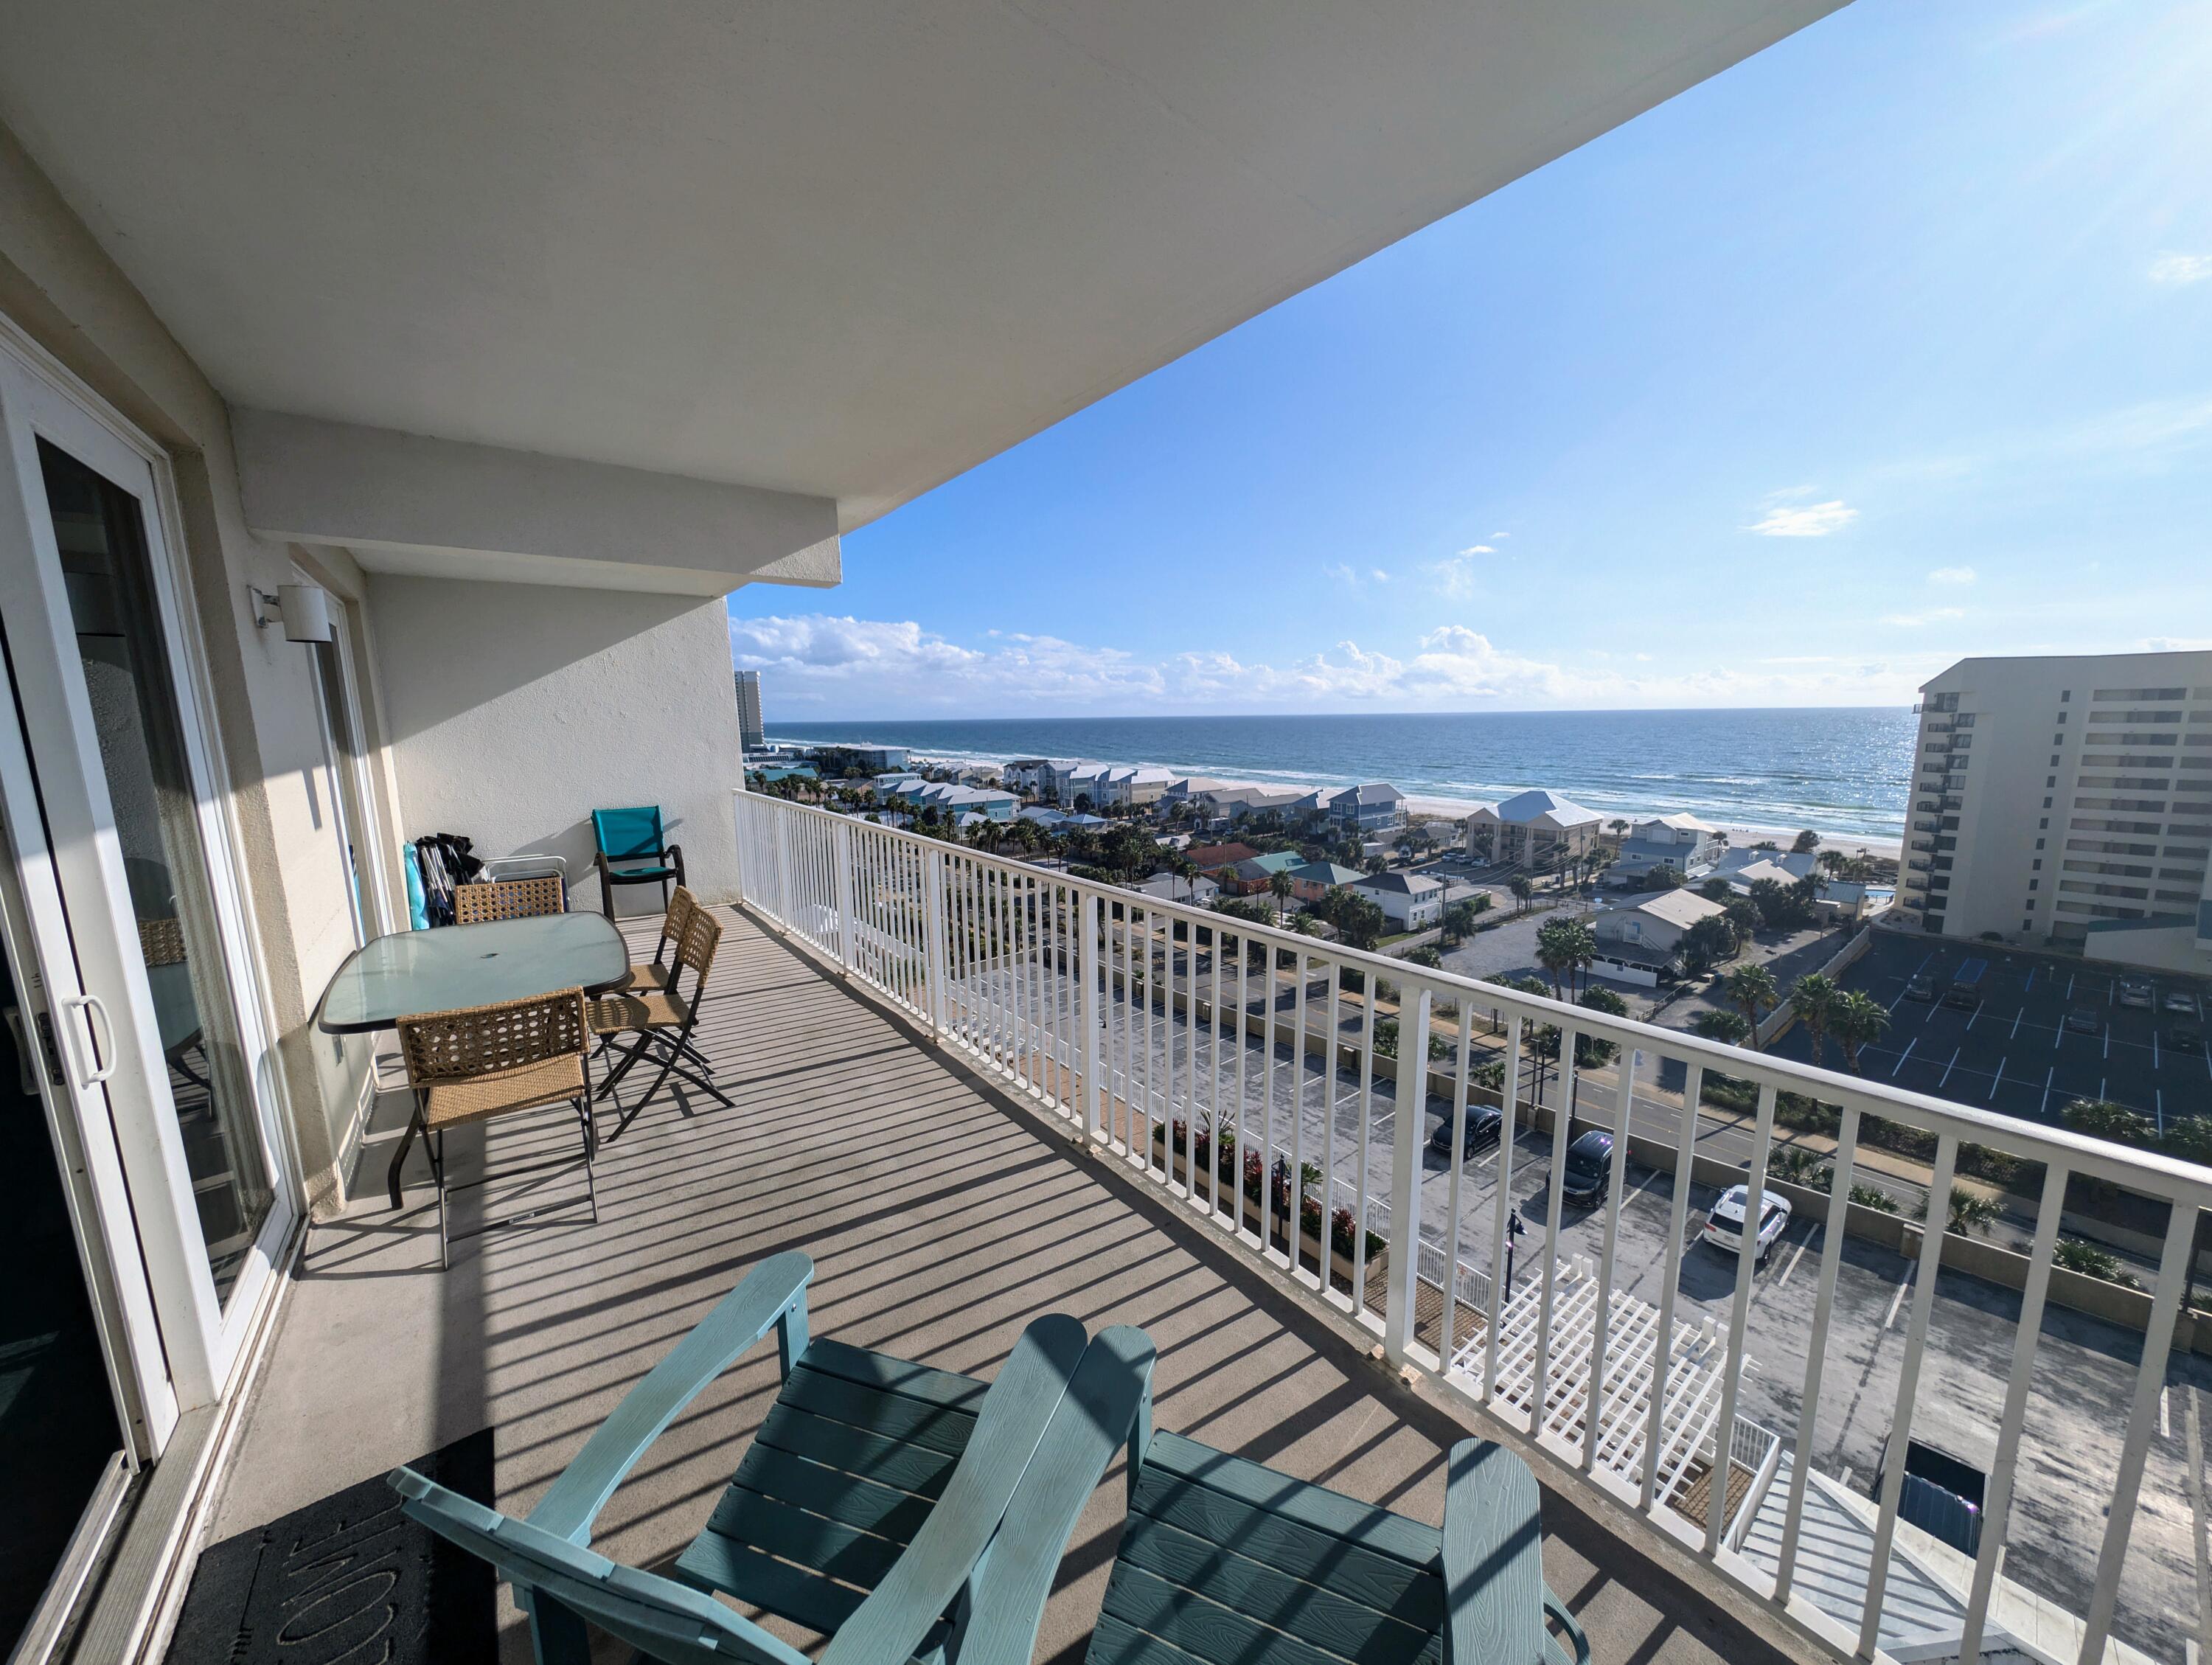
column 304, row 610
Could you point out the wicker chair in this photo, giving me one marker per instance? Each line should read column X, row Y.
column 654, row 973
column 664, row 1018
column 508, row 898
column 481, row 1062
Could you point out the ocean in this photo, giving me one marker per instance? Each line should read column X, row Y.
column 1838, row 771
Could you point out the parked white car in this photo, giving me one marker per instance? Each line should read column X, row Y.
column 1724, row 1225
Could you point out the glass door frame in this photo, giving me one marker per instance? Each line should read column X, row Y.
column 200, row 1338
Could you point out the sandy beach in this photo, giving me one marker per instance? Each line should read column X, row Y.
column 1739, row 837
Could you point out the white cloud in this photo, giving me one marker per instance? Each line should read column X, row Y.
column 821, row 664
column 2181, row 269
column 1804, row 521
column 1477, row 548
column 1920, row 621
column 1953, row 575
column 1344, row 573
column 2176, row 644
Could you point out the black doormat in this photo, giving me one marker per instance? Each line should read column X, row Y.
column 346, row 1581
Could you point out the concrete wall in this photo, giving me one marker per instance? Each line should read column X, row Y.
column 514, row 710
column 60, row 288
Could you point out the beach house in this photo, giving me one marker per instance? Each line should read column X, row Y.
column 1411, row 902
column 1681, row 841
column 1536, row 829
column 1656, row 925
column 1314, row 880
column 1371, row 807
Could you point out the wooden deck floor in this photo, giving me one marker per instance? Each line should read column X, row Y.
column 941, row 1218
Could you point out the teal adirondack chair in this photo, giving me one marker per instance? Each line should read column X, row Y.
column 633, row 848
column 862, row 1509
column 1224, row 1562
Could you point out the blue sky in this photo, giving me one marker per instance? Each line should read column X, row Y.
column 1889, row 346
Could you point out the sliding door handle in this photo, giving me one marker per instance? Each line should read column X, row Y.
column 98, row 1042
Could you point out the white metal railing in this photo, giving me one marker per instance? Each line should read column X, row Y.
column 1153, row 1026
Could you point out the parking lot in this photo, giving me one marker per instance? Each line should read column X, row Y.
column 2014, row 1051
column 2084, row 1377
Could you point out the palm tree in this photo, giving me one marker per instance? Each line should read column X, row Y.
column 1856, row 1018
column 1810, row 998
column 1187, row 871
column 1619, row 825
column 1280, row 887
column 1717, row 1025
column 1523, row 891
column 1563, row 946
column 1751, row 990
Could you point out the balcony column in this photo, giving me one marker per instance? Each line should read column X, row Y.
column 1399, row 1311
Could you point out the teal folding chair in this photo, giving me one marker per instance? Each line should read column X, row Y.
column 862, row 1509
column 633, row 849
column 1225, row 1562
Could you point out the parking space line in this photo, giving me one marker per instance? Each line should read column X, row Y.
column 1902, row 1056
column 1898, row 1299
column 2070, row 985
column 2045, row 1105
column 1948, row 1068
column 2108, row 1040
column 1783, row 1282
column 2030, row 983
column 2058, row 1035
column 1996, row 1080
column 2154, row 1048
column 2016, row 1017
column 1976, row 1019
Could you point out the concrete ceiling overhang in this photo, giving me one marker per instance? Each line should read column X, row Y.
column 822, row 247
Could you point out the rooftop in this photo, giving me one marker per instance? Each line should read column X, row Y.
column 1680, row 907
column 1537, row 806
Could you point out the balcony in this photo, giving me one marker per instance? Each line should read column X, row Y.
column 974, row 1091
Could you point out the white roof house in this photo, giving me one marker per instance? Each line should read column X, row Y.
column 1743, row 877
column 1659, row 921
column 1539, row 808
column 1794, row 864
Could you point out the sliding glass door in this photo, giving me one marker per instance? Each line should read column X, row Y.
column 113, row 812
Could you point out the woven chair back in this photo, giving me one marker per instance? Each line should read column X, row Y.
column 161, row 941
column 702, row 935
column 456, row 1046
column 507, row 898
column 681, row 907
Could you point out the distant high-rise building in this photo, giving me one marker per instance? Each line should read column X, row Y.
column 2067, row 798
column 751, row 734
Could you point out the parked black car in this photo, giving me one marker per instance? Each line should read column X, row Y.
column 1590, row 1169
column 1483, row 1121
column 1920, row 987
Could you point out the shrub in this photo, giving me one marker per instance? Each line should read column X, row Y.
column 1866, row 1197
column 2085, row 1258
column 1794, row 1164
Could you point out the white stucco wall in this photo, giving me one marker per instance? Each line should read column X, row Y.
column 514, row 710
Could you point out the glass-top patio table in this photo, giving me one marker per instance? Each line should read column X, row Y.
column 464, row 965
